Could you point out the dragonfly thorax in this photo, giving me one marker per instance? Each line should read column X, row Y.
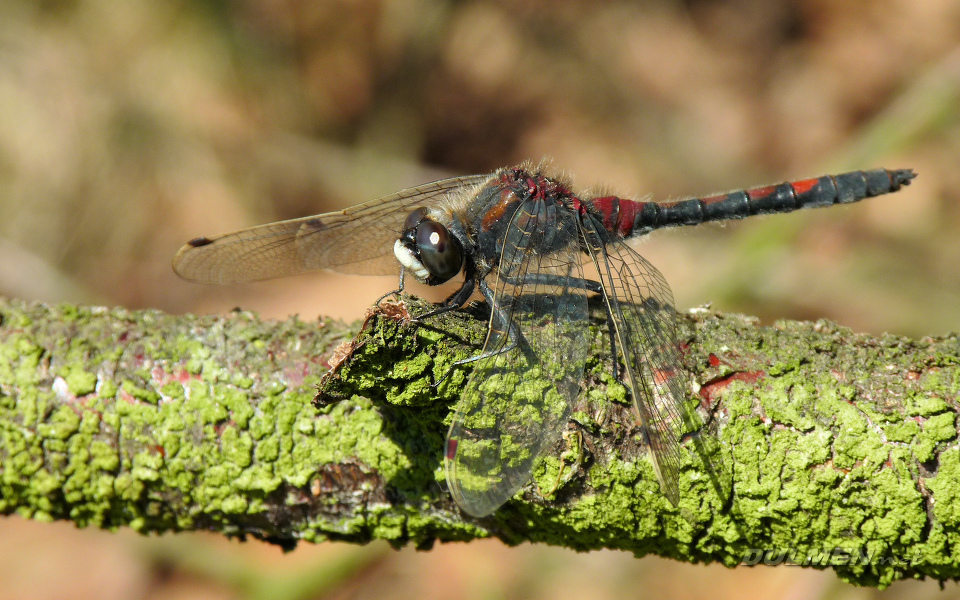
column 427, row 249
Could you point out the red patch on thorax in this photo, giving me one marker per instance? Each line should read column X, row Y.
column 496, row 212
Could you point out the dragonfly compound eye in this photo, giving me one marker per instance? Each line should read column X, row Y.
column 439, row 251
column 414, row 218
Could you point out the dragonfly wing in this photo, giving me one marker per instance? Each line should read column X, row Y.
column 519, row 396
column 356, row 240
column 644, row 325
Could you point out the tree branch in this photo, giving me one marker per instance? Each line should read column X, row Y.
column 842, row 447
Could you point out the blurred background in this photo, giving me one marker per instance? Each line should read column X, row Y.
column 127, row 128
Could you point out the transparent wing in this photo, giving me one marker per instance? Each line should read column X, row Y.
column 519, row 397
column 356, row 240
column 640, row 307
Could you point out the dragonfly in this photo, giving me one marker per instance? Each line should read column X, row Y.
column 537, row 251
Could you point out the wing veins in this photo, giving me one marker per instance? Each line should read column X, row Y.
column 314, row 242
column 662, row 431
column 521, row 426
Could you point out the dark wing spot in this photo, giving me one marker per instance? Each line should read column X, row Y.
column 315, row 223
column 200, row 241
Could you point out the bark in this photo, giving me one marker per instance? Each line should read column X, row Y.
column 841, row 447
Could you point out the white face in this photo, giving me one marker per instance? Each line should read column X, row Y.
column 410, row 262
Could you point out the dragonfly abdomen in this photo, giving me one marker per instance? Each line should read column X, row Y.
column 629, row 218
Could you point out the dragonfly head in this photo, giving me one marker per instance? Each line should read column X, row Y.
column 427, row 249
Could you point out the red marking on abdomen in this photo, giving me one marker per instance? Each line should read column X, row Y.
column 802, row 187
column 714, row 199
column 761, row 192
column 629, row 209
column 608, row 206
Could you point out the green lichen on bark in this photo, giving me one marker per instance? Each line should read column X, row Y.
column 842, row 448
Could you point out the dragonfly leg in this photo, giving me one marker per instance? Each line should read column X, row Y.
column 556, row 281
column 395, row 292
column 514, row 337
column 459, row 297
column 455, row 301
